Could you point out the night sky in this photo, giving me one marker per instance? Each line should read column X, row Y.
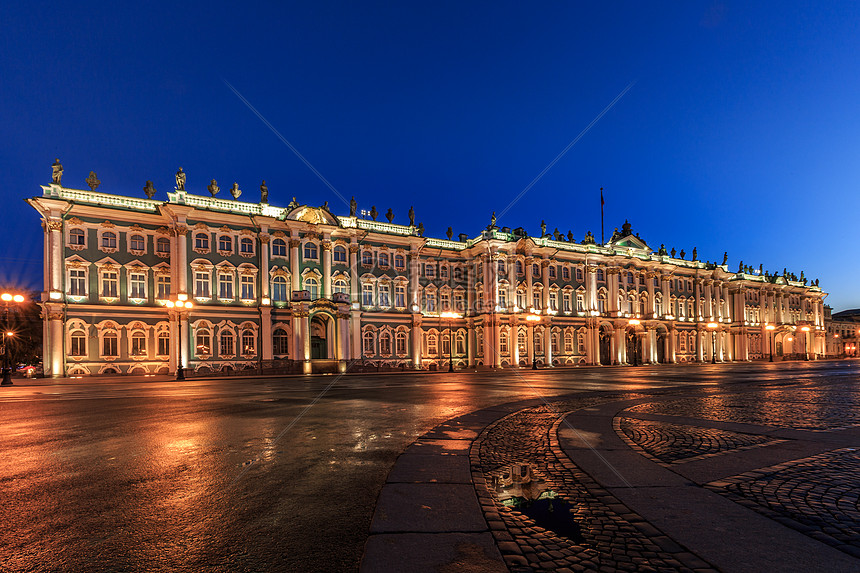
column 740, row 131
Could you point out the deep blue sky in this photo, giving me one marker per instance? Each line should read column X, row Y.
column 740, row 134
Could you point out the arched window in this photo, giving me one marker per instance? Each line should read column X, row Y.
column 503, row 342
column 600, row 276
column 536, row 298
column 446, row 343
column 246, row 246
column 138, row 344
column 136, row 243
column 461, row 343
column 554, row 340
column 383, row 260
column 340, row 285
column 400, row 340
column 162, row 245
column 367, row 258
column 643, row 304
column 280, row 342
column 203, row 342
column 458, row 274
column 568, row 342
column 201, row 241
column 313, row 286
column 601, row 300
column 580, row 343
column 163, row 343
column 279, row 288
column 658, row 304
column 227, row 346
column 248, row 341
column 279, row 248
column 519, row 267
column 109, row 240
column 432, row 344
column 385, row 343
column 521, row 343
column 310, row 251
column 109, row 344
column 77, row 237
column 339, row 254
column 79, row 343
column 368, row 344
column 225, row 243
column 399, row 261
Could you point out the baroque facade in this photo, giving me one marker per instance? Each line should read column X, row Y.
column 302, row 287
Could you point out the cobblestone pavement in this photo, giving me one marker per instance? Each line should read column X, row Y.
column 613, row 537
column 805, row 406
column 818, row 496
column 669, row 443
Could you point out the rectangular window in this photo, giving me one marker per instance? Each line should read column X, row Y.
column 384, row 295
column 580, row 302
column 201, row 284
column 536, row 299
column 552, row 271
column 446, row 301
column 248, row 342
column 163, row 344
column 79, row 344
column 247, row 287
column 109, row 345
column 503, row 298
column 431, row 302
column 162, row 286
column 400, row 296
column 109, row 284
column 565, row 273
column 137, row 286
column 579, row 274
column 225, row 243
column 226, row 344
column 566, row 303
column 138, row 345
column 459, row 302
column 367, row 294
column 553, row 300
column 136, row 242
column 225, row 286
column 521, row 299
column 78, row 282
column 429, row 271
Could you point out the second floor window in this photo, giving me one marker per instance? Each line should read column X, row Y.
column 247, row 283
column 78, row 282
column 246, row 246
column 367, row 294
column 225, row 243
column 310, row 251
column 162, row 245
column 201, row 284
column 384, row 295
column 137, row 285
column 137, row 243
column 225, row 286
column 201, row 241
column 279, row 248
column 109, row 284
column 162, row 286
column 400, row 296
column 279, row 289
column 339, row 254
column 76, row 237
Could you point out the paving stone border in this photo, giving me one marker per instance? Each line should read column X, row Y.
column 439, row 511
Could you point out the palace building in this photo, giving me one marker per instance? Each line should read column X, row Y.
column 138, row 286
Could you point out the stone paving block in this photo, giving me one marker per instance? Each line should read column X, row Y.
column 407, row 507
column 431, row 553
column 431, row 469
column 440, row 447
column 632, row 467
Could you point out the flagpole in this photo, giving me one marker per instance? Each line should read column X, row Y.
column 602, row 238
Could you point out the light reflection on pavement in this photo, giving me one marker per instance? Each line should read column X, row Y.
column 131, row 475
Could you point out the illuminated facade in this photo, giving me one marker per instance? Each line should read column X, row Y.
column 304, row 289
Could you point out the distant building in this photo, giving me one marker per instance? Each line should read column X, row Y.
column 303, row 289
column 843, row 332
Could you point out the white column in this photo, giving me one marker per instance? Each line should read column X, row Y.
column 184, row 333
column 515, row 339
column 182, row 259
column 294, row 265
column 266, row 332
column 547, row 342
column 529, row 283
column 544, row 272
column 667, row 296
column 264, row 266
column 416, row 344
column 306, row 338
column 649, row 278
column 700, row 342
column 56, row 364
column 591, row 289
column 413, row 280
column 56, row 240
column 326, row 248
column 530, row 342
column 612, row 304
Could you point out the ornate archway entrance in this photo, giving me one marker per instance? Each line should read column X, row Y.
column 319, row 337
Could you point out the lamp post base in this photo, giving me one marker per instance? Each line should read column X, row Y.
column 7, row 378
column 180, row 373
column 534, row 365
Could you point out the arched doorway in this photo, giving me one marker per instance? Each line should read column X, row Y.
column 661, row 347
column 319, row 336
column 633, row 355
column 605, row 337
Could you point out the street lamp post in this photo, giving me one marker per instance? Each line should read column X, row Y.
column 533, row 317
column 450, row 316
column 182, row 306
column 805, row 329
column 713, row 328
column 7, row 334
column 770, row 328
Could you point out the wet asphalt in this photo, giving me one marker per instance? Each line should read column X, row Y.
column 250, row 474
